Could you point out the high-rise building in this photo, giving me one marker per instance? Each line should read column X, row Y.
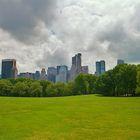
column 85, row 69
column 9, row 69
column 100, row 67
column 103, row 69
column 37, row 75
column 62, row 74
column 51, row 74
column 120, row 61
column 76, row 67
column 68, row 75
column 43, row 74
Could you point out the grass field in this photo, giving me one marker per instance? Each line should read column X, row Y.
column 70, row 118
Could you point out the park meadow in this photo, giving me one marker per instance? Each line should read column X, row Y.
column 85, row 117
column 91, row 107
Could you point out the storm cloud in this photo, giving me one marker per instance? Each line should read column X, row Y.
column 42, row 33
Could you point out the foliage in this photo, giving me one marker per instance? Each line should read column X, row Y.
column 81, row 85
column 35, row 89
column 138, row 82
column 44, row 85
column 123, row 80
column 5, row 87
column 21, row 89
column 85, row 84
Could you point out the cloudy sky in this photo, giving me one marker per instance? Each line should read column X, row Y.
column 43, row 33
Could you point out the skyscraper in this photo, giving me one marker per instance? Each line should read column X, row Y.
column 100, row 67
column 103, row 69
column 51, row 74
column 120, row 61
column 76, row 67
column 9, row 69
column 43, row 74
column 62, row 75
column 37, row 75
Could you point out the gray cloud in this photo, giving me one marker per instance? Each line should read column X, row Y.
column 58, row 57
column 42, row 33
column 20, row 17
column 123, row 37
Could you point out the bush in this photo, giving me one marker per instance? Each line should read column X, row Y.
column 5, row 88
column 35, row 89
column 21, row 89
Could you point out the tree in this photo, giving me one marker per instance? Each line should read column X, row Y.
column 51, row 91
column 35, row 89
column 5, row 88
column 105, row 84
column 119, row 81
column 69, row 89
column 81, row 85
column 44, row 85
column 27, row 80
column 127, row 79
column 21, row 89
column 138, row 80
column 91, row 82
column 56, row 90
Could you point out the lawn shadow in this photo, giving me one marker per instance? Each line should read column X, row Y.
column 101, row 95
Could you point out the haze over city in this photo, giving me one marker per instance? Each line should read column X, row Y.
column 47, row 33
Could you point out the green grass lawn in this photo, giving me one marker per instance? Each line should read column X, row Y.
column 70, row 118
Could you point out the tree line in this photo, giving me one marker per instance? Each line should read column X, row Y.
column 123, row 80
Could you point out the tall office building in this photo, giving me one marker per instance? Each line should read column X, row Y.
column 76, row 67
column 62, row 74
column 100, row 67
column 43, row 74
column 103, row 69
column 58, row 69
column 51, row 74
column 120, row 61
column 37, row 75
column 9, row 69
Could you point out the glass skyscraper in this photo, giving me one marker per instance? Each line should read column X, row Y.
column 51, row 74
column 62, row 75
column 9, row 69
column 76, row 67
column 100, row 67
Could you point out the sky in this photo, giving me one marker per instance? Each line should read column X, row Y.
column 43, row 33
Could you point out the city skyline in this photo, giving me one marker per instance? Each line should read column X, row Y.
column 91, row 70
column 86, row 67
column 61, row 73
column 44, row 33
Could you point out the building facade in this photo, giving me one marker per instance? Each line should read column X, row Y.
column 37, row 75
column 9, row 69
column 100, row 67
column 76, row 67
column 62, row 74
column 43, row 75
column 51, row 74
